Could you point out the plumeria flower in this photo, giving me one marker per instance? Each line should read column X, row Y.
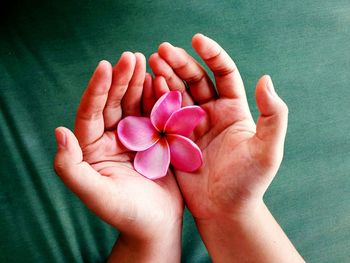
column 162, row 138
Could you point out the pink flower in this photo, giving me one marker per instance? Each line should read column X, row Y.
column 162, row 138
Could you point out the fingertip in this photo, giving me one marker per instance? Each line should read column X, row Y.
column 266, row 77
column 152, row 59
column 165, row 49
column 197, row 36
column 132, row 97
column 263, row 99
column 68, row 142
column 269, row 85
column 206, row 47
column 270, row 88
column 148, row 79
column 127, row 54
column 158, row 65
column 67, row 133
column 267, row 99
column 103, row 70
column 140, row 57
column 104, row 64
column 140, row 66
column 148, row 97
column 127, row 58
column 124, row 68
column 61, row 138
column 272, row 122
column 265, row 85
column 147, row 85
column 160, row 86
column 165, row 45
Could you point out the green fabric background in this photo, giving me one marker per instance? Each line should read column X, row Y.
column 48, row 50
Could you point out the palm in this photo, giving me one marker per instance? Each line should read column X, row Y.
column 228, row 137
column 153, row 202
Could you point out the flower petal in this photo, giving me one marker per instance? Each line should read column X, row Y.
column 164, row 107
column 185, row 155
column 137, row 133
column 184, row 120
column 153, row 163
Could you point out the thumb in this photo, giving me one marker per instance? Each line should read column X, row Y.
column 272, row 123
column 77, row 175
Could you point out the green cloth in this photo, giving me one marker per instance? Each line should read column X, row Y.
column 48, row 50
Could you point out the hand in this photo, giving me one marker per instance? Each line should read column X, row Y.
column 225, row 196
column 240, row 159
column 95, row 165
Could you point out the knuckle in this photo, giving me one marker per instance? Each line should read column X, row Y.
column 183, row 65
column 89, row 115
column 214, row 54
column 195, row 78
column 224, row 70
column 182, row 50
column 115, row 103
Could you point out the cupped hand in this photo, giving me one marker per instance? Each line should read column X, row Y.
column 240, row 157
column 94, row 164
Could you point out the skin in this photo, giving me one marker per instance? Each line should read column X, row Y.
column 95, row 166
column 225, row 196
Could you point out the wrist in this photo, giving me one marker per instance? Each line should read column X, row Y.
column 163, row 245
column 232, row 218
column 235, row 213
column 252, row 235
column 223, row 233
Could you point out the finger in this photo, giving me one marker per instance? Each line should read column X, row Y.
column 148, row 96
column 228, row 80
column 160, row 86
column 77, row 175
column 89, row 123
column 186, row 67
column 272, row 123
column 122, row 74
column 131, row 101
column 161, row 68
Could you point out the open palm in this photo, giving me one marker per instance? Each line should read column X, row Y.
column 96, row 166
column 240, row 159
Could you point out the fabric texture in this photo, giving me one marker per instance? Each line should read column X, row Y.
column 49, row 49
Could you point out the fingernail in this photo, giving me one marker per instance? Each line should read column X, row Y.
column 168, row 44
column 139, row 54
column 127, row 53
column 270, row 87
column 102, row 62
column 61, row 138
